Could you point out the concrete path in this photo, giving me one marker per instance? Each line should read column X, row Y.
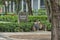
column 41, row 35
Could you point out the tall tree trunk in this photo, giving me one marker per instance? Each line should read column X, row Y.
column 49, row 11
column 8, row 6
column 15, row 5
column 11, row 5
column 18, row 10
column 18, row 6
column 5, row 7
column 55, row 17
column 29, row 7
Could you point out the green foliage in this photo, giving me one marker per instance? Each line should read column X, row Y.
column 43, row 19
column 14, row 18
column 24, row 26
column 15, row 27
column 9, row 18
column 49, row 27
column 33, row 18
column 42, row 12
column 1, row 2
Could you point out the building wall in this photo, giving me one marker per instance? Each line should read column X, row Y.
column 35, row 4
column 42, row 5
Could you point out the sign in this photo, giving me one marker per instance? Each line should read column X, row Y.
column 23, row 17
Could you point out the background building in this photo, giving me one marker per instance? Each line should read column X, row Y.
column 11, row 5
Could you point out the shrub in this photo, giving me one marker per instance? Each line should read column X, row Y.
column 42, row 12
column 15, row 27
column 14, row 18
column 22, row 26
column 41, row 18
column 9, row 18
column 49, row 27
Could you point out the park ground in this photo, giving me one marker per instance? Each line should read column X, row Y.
column 39, row 35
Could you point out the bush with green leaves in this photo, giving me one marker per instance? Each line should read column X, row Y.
column 9, row 18
column 43, row 19
column 49, row 27
column 15, row 27
column 42, row 12
column 14, row 19
column 33, row 18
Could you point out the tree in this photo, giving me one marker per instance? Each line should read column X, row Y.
column 5, row 5
column 29, row 7
column 54, row 10
column 49, row 11
column 17, row 5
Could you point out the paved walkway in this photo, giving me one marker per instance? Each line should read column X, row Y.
column 25, row 35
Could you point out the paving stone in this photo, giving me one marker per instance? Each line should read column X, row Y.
column 26, row 36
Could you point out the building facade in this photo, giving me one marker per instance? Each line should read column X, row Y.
column 35, row 4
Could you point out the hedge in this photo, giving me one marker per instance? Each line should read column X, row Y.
column 15, row 27
column 9, row 18
column 41, row 18
column 14, row 19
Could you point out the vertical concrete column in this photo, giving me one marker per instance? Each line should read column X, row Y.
column 22, row 5
column 38, row 4
column 32, row 4
column 13, row 7
column 10, row 6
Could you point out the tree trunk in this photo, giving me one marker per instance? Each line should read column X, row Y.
column 55, row 18
column 8, row 6
column 5, row 9
column 18, row 6
column 29, row 7
column 49, row 11
column 11, row 5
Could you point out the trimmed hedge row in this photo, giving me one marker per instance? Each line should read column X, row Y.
column 14, row 18
column 33, row 18
column 23, row 26
column 15, row 27
column 9, row 18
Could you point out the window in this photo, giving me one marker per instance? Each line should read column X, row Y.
column 41, row 2
column 35, row 4
column 42, row 5
column 24, row 5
